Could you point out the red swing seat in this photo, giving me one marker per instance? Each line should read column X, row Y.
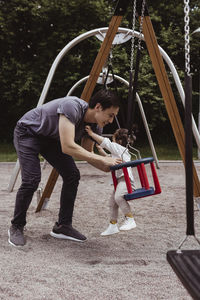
column 145, row 189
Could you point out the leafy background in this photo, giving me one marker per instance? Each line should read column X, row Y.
column 32, row 33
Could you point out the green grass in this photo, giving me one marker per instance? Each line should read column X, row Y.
column 7, row 153
column 164, row 152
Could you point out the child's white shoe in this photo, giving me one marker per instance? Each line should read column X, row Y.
column 112, row 229
column 128, row 224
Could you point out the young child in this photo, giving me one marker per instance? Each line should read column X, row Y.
column 117, row 148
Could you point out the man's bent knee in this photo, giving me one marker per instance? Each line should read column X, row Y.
column 30, row 184
column 72, row 178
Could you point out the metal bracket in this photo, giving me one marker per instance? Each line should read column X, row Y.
column 120, row 38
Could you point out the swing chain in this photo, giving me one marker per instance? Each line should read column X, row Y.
column 187, row 38
column 133, row 37
column 133, row 30
column 141, row 24
column 110, row 56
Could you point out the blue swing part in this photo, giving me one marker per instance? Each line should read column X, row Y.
column 145, row 189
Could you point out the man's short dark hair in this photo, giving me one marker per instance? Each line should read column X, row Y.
column 106, row 98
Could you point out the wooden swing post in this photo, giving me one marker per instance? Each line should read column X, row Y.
column 162, row 78
column 167, row 93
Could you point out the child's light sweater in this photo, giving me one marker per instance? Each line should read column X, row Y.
column 117, row 150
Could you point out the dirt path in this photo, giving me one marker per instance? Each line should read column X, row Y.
column 129, row 265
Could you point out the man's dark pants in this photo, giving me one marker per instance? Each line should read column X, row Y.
column 28, row 147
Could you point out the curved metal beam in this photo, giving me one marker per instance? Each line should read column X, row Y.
column 77, row 40
column 126, row 31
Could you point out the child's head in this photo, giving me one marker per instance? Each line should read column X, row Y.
column 122, row 137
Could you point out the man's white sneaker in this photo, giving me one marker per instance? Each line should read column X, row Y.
column 128, row 224
column 112, row 229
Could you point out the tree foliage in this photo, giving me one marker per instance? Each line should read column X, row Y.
column 33, row 32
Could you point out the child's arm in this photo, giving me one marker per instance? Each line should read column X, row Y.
column 99, row 139
column 101, row 151
column 113, row 148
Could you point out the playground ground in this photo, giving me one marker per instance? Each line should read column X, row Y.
column 129, row 265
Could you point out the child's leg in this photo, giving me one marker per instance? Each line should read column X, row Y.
column 129, row 222
column 112, row 227
column 113, row 208
column 119, row 198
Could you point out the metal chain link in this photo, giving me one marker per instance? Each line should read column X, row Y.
column 133, row 37
column 141, row 24
column 187, row 36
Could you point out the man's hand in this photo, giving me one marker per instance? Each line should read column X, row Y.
column 107, row 162
column 67, row 133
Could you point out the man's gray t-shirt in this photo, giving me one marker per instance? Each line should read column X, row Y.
column 43, row 120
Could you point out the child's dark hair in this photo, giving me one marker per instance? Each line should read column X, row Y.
column 106, row 98
column 123, row 138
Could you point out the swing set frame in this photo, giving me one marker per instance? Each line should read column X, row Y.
column 162, row 78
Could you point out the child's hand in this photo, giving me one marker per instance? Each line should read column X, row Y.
column 97, row 138
column 89, row 130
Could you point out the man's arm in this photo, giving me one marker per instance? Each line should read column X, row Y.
column 87, row 144
column 67, row 134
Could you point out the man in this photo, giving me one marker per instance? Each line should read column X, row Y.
column 53, row 130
